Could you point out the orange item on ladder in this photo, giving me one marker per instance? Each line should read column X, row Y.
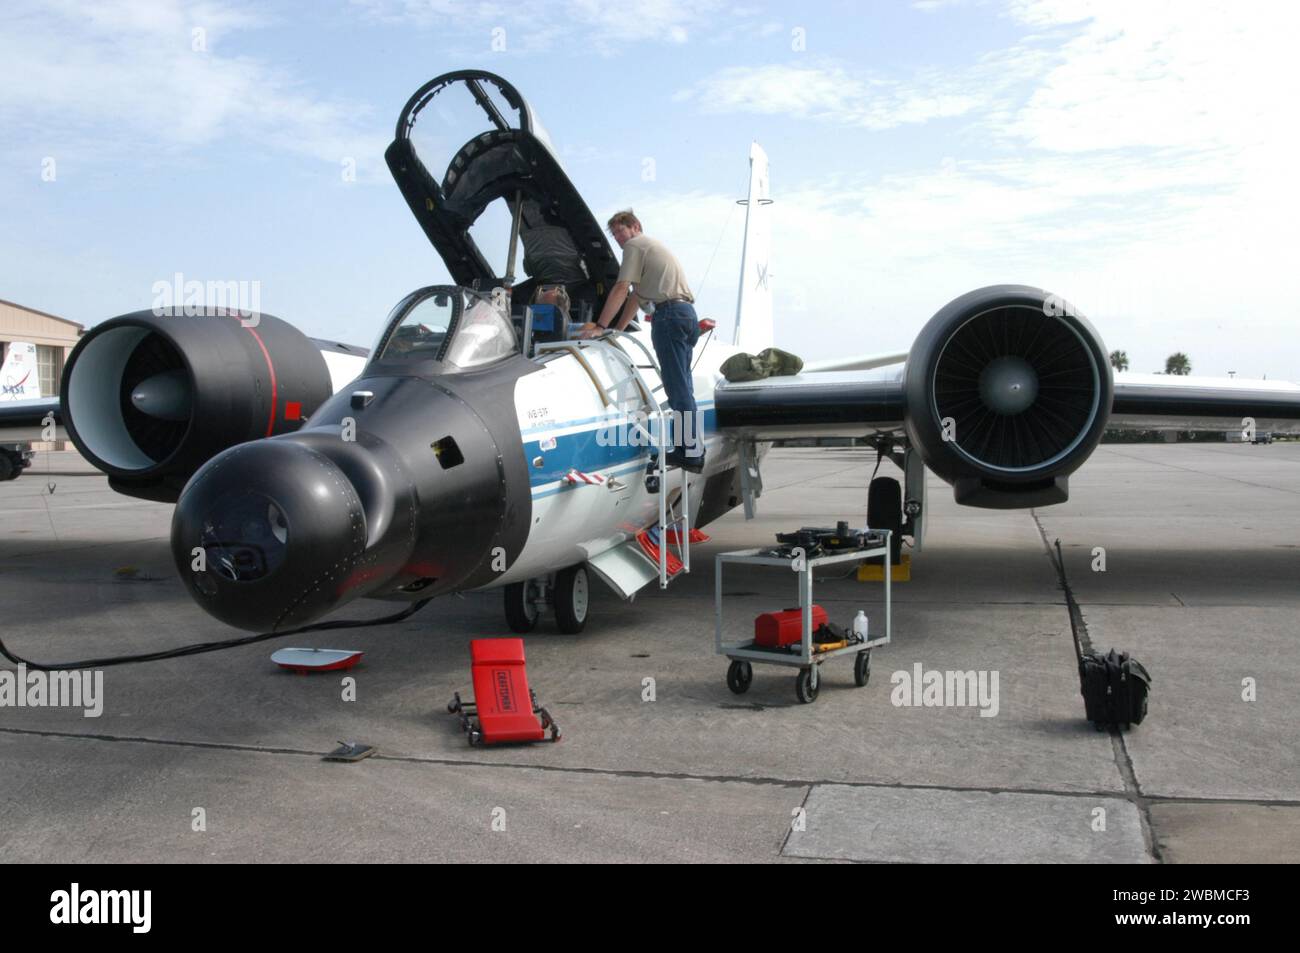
column 649, row 540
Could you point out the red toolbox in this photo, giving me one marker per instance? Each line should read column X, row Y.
column 775, row 630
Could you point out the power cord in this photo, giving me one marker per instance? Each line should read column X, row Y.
column 199, row 648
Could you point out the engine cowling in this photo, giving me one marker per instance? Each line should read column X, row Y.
column 149, row 397
column 1008, row 392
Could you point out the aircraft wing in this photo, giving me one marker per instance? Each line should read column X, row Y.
column 813, row 404
column 860, row 362
column 1006, row 391
column 23, row 420
column 849, row 404
column 1166, row 401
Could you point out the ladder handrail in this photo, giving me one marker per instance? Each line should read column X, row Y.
column 682, row 523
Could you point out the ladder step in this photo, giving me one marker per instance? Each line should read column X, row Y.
column 649, row 540
column 694, row 536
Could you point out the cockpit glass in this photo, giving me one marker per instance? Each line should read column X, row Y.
column 459, row 328
column 483, row 334
column 422, row 332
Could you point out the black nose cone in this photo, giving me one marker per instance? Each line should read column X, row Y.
column 268, row 535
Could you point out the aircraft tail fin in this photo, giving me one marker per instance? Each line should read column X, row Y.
column 754, row 303
column 19, row 377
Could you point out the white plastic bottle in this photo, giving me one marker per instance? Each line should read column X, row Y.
column 860, row 625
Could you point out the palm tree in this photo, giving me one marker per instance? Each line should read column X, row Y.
column 1178, row 363
column 1119, row 360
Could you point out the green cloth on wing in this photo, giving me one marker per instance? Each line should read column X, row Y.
column 770, row 362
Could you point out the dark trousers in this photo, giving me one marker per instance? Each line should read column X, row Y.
column 674, row 331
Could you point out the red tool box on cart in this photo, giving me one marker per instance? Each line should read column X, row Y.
column 774, row 630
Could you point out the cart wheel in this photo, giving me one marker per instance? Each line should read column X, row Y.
column 807, row 684
column 862, row 668
column 521, row 611
column 739, row 675
column 475, row 739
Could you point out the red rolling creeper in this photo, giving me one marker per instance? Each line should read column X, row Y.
column 504, row 708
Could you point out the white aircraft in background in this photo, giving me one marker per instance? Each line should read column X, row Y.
column 20, row 381
column 19, row 377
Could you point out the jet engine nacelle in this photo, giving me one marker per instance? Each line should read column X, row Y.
column 149, row 398
column 1008, row 392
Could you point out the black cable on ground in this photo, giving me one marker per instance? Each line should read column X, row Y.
column 1072, row 607
column 199, row 648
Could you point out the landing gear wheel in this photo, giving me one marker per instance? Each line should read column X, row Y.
column 807, row 685
column 521, row 608
column 572, row 593
column 885, row 511
column 862, row 668
column 739, row 676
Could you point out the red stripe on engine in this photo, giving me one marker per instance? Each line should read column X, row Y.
column 270, row 423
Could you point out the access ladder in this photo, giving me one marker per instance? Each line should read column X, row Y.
column 670, row 527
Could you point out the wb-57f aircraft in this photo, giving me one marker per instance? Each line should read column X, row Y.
column 474, row 448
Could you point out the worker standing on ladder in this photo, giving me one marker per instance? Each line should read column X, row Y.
column 657, row 277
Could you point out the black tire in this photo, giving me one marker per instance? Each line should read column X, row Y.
column 807, row 684
column 885, row 511
column 862, row 668
column 572, row 595
column 8, row 470
column 521, row 613
column 739, row 676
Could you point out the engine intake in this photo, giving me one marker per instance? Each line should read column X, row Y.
column 148, row 398
column 1008, row 392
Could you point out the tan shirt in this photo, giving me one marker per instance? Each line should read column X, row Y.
column 653, row 271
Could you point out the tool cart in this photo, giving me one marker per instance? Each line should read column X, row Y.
column 803, row 655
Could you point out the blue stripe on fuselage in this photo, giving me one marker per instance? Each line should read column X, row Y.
column 612, row 442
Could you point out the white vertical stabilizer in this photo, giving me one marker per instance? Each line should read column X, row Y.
column 754, row 303
column 19, row 377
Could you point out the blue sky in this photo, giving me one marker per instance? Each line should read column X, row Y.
column 1135, row 158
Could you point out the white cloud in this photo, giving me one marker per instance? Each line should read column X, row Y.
column 1194, row 76
column 86, row 78
column 1135, row 158
column 589, row 25
column 834, row 94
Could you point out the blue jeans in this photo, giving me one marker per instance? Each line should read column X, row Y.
column 674, row 331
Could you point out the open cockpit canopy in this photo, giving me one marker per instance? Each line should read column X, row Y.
column 468, row 154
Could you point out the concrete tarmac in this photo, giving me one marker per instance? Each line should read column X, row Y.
column 1186, row 555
